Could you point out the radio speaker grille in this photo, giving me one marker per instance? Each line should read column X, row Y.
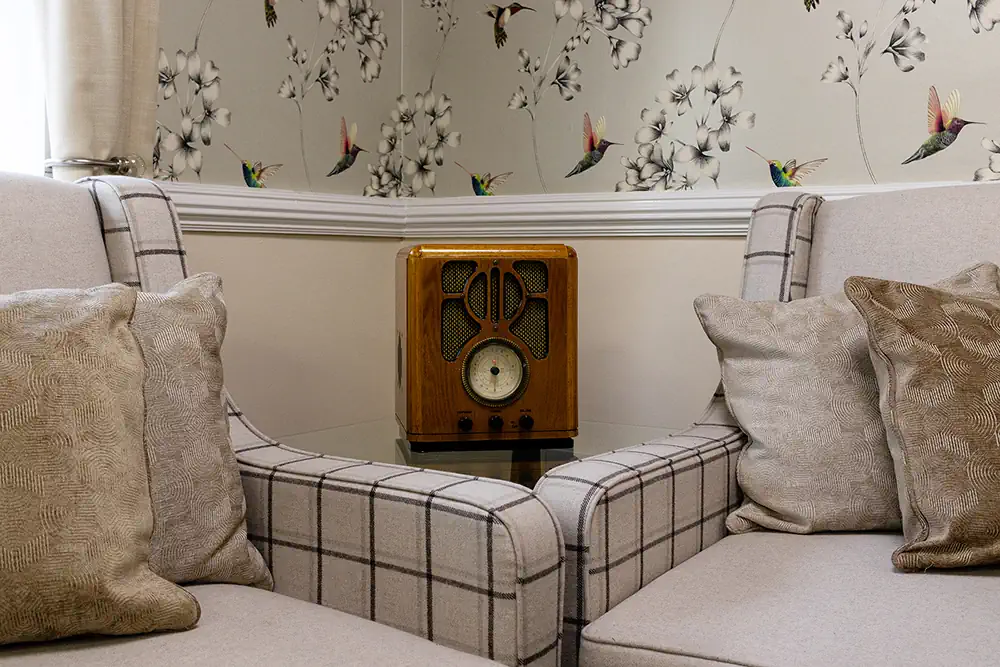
column 511, row 296
column 477, row 296
column 495, row 295
column 455, row 274
column 457, row 328
column 533, row 327
column 534, row 274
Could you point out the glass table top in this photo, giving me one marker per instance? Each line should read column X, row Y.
column 524, row 464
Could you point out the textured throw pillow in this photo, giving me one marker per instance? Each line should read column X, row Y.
column 75, row 519
column 937, row 356
column 199, row 511
column 799, row 380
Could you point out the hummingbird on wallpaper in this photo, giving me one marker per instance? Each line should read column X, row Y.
column 594, row 145
column 790, row 173
column 348, row 149
column 254, row 173
column 500, row 16
column 483, row 184
column 270, row 14
column 943, row 124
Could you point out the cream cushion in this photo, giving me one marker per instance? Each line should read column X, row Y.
column 199, row 510
column 248, row 627
column 75, row 516
column 937, row 356
column 799, row 380
column 778, row 600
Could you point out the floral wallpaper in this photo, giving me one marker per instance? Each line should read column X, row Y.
column 451, row 97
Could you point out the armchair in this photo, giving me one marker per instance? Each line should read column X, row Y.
column 653, row 579
column 471, row 564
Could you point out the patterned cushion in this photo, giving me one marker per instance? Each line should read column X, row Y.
column 75, row 518
column 937, row 355
column 199, row 531
column 799, row 380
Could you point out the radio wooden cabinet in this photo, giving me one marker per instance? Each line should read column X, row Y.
column 486, row 342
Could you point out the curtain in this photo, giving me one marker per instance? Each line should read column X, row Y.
column 100, row 79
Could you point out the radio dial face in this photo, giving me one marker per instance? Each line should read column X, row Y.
column 495, row 372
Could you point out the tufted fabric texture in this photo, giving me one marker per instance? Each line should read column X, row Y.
column 75, row 517
column 799, row 379
column 199, row 512
column 937, row 355
column 469, row 563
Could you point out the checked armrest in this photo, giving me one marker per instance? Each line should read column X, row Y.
column 630, row 515
column 470, row 563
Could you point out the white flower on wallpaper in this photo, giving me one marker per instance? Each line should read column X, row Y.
column 195, row 86
column 620, row 22
column 679, row 143
column 352, row 22
column 904, row 42
column 984, row 14
column 425, row 124
column 397, row 173
column 990, row 172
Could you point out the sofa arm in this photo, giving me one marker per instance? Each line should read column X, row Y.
column 470, row 563
column 630, row 515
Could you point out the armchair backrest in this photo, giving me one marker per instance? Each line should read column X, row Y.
column 50, row 235
column 802, row 245
column 95, row 231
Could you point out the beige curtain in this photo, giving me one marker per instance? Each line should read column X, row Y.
column 100, row 79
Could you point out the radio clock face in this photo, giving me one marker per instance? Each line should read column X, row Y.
column 495, row 372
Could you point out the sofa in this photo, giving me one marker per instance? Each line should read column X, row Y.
column 653, row 579
column 373, row 564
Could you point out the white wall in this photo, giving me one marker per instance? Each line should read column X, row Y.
column 310, row 341
column 310, row 338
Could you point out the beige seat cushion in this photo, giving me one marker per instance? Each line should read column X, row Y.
column 781, row 600
column 247, row 627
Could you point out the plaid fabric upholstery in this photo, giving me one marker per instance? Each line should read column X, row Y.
column 469, row 563
column 776, row 261
column 142, row 232
column 631, row 515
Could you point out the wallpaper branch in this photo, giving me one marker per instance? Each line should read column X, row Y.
column 722, row 29
column 563, row 73
column 712, row 94
column 428, row 120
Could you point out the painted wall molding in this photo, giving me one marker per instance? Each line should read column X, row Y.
column 232, row 209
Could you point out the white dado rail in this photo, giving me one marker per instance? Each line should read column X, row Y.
column 230, row 209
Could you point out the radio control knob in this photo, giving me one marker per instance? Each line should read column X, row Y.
column 526, row 422
column 496, row 422
column 464, row 424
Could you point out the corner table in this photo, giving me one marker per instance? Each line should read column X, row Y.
column 523, row 464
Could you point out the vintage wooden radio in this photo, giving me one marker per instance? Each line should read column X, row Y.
column 486, row 342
